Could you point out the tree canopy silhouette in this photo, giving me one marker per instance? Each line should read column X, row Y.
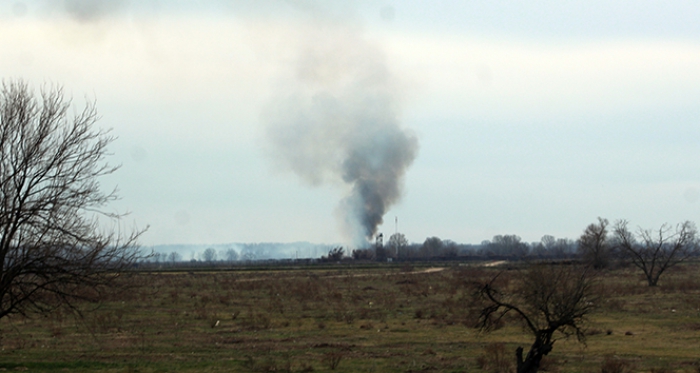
column 654, row 252
column 593, row 245
column 548, row 299
column 53, row 244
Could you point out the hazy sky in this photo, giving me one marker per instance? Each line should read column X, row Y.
column 531, row 117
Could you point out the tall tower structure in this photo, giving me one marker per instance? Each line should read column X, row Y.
column 379, row 243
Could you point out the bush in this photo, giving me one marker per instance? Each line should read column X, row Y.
column 332, row 359
column 496, row 359
column 614, row 364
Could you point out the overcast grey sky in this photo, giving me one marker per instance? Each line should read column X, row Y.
column 531, row 117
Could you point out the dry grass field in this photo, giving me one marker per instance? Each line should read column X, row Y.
column 345, row 319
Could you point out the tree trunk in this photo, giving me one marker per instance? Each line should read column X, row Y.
column 652, row 280
column 531, row 363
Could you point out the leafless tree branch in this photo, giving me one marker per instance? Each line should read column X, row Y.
column 51, row 246
column 548, row 299
column 654, row 252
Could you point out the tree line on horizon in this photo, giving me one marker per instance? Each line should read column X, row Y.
column 600, row 245
column 237, row 252
column 397, row 248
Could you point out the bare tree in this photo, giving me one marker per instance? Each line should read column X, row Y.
column 432, row 247
column 654, row 252
column 363, row 254
column 551, row 247
column 248, row 253
column 174, row 257
column 334, row 255
column 53, row 244
column 397, row 245
column 157, row 257
column 548, row 299
column 593, row 244
column 231, row 255
column 548, row 241
column 507, row 245
column 209, row 255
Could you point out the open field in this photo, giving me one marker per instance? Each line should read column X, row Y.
column 344, row 319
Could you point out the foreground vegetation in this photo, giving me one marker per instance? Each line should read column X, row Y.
column 372, row 319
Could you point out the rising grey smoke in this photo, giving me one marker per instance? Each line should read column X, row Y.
column 336, row 122
column 86, row 11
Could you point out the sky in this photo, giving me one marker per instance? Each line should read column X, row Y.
column 235, row 119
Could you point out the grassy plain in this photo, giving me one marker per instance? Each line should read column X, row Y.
column 345, row 319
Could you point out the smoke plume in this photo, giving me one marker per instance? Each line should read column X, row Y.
column 87, row 11
column 336, row 122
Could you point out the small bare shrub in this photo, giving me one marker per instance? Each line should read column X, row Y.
column 267, row 364
column 418, row 314
column 225, row 299
column 549, row 364
column 201, row 312
column 306, row 368
column 593, row 331
column 104, row 321
column 56, row 331
column 141, row 340
column 332, row 359
column 662, row 370
column 256, row 321
column 614, row 304
column 495, row 359
column 614, row 364
column 174, row 296
column 349, row 317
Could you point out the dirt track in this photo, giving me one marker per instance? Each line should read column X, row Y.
column 421, row 272
column 494, row 264
column 428, row 270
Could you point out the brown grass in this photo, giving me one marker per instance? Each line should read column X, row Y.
column 382, row 319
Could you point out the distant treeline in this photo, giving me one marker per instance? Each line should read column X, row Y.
column 233, row 252
column 600, row 244
column 395, row 249
column 500, row 247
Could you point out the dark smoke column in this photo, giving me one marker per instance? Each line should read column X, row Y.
column 338, row 124
column 375, row 172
